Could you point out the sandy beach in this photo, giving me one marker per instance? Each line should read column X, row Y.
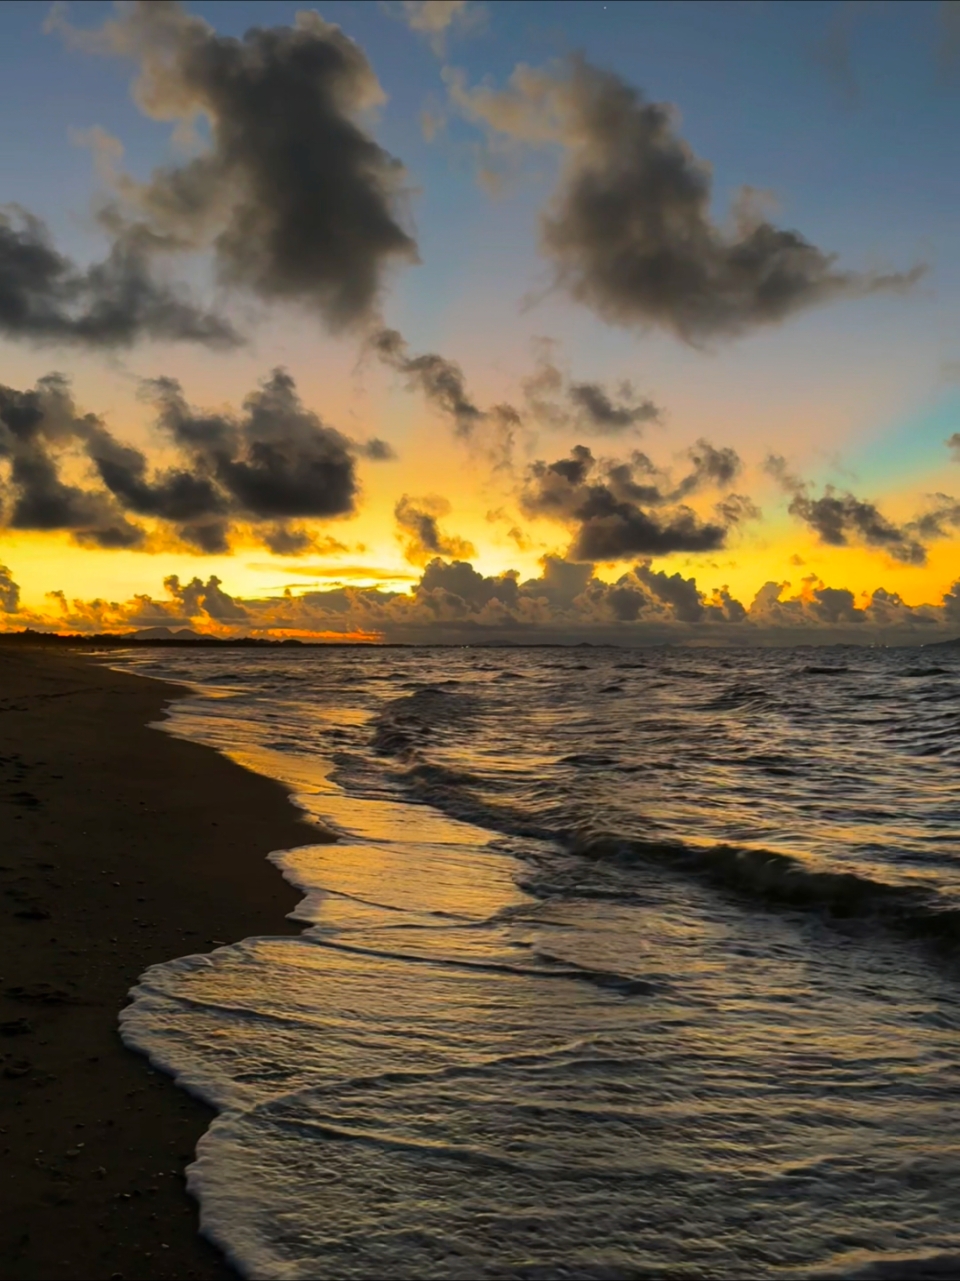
column 121, row 846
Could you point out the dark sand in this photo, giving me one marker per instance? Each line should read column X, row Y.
column 120, row 846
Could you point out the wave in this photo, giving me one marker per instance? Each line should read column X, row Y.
column 553, row 968
column 937, row 1266
column 784, row 880
column 408, row 723
column 741, row 697
column 769, row 877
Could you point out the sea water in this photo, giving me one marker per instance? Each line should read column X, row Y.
column 623, row 964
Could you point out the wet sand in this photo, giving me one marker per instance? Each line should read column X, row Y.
column 120, row 846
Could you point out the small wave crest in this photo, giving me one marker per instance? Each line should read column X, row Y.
column 408, row 723
column 786, row 881
column 740, row 698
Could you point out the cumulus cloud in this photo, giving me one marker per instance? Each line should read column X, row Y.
column 453, row 602
column 276, row 460
column 197, row 597
column 629, row 228
column 9, row 592
column 46, row 298
column 953, row 444
column 35, row 428
column 623, row 509
column 556, row 401
column 418, row 521
column 839, row 518
column 295, row 197
column 266, row 467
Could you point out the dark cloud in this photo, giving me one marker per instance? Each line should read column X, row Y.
column 196, row 597
column 951, row 604
column 835, row 605
column 942, row 515
column 378, row 451
column 209, row 537
column 173, row 495
column 619, row 514
column 44, row 297
column 711, row 466
column 629, row 227
column 274, row 462
column 288, row 540
column 35, row 427
column 835, row 517
column 679, row 592
column 9, row 592
column 589, row 406
column 734, row 509
column 626, row 531
column 722, row 607
column 440, row 380
column 953, row 444
column 561, row 583
column 296, row 198
column 122, row 535
column 839, row 517
column 461, row 581
column 605, row 415
column 418, row 520
column 42, row 500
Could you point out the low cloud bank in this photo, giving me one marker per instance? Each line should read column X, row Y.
column 453, row 603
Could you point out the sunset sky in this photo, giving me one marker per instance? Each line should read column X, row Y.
column 650, row 313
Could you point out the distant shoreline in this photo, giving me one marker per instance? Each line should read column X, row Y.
column 124, row 847
column 128, row 640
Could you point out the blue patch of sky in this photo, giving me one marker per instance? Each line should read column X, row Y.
column 868, row 178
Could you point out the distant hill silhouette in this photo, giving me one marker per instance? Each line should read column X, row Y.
column 166, row 633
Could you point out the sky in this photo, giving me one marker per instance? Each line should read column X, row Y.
column 457, row 322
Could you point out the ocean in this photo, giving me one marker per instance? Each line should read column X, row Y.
column 625, row 964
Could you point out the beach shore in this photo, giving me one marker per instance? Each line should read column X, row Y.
column 120, row 846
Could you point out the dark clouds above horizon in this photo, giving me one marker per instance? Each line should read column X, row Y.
column 454, row 603
column 273, row 464
column 840, row 519
column 276, row 195
column 618, row 510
